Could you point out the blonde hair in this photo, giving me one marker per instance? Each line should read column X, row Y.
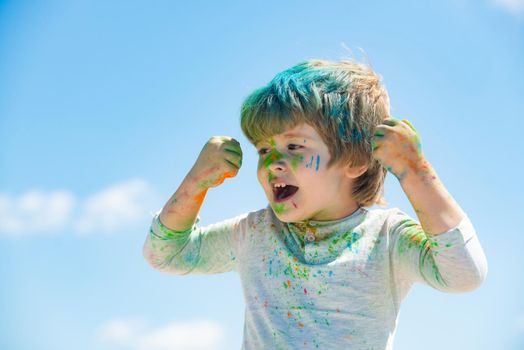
column 344, row 101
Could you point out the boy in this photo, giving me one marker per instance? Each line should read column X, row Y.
column 318, row 269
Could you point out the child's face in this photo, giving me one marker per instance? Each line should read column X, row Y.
column 298, row 159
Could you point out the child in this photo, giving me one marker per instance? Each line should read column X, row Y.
column 318, row 269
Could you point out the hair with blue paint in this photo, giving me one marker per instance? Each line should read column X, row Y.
column 344, row 101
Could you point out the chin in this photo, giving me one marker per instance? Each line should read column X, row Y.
column 286, row 215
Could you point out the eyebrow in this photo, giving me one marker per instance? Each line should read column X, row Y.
column 290, row 135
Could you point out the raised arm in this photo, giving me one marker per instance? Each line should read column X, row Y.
column 174, row 244
column 397, row 146
column 443, row 250
column 220, row 158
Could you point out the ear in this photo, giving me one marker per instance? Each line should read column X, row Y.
column 353, row 172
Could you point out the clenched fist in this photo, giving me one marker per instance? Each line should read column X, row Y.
column 396, row 144
column 220, row 158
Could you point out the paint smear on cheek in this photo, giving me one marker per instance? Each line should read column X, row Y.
column 310, row 164
column 314, row 161
column 272, row 157
column 296, row 160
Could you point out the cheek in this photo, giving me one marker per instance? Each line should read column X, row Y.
column 264, row 177
column 260, row 164
column 314, row 162
column 296, row 161
column 260, row 175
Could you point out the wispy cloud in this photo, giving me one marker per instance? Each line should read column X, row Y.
column 114, row 207
column 135, row 334
column 39, row 212
column 36, row 212
column 515, row 7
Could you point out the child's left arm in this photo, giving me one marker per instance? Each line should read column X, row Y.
column 443, row 249
column 396, row 145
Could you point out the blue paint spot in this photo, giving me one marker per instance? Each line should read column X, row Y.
column 318, row 162
column 310, row 165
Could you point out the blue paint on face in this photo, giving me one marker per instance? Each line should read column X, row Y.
column 310, row 164
column 318, row 162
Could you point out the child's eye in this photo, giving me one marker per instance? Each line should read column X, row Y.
column 263, row 151
column 294, row 147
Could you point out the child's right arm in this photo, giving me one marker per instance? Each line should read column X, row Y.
column 220, row 158
column 174, row 244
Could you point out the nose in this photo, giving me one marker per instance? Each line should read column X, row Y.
column 275, row 162
column 277, row 166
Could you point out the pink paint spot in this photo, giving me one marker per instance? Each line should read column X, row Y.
column 305, row 291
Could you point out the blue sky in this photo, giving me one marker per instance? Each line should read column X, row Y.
column 104, row 106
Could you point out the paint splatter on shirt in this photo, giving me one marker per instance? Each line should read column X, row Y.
column 323, row 284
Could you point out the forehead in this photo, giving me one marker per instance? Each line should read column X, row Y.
column 301, row 130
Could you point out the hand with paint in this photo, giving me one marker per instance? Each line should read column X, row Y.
column 220, row 158
column 396, row 144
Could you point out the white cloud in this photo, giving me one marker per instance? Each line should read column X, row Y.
column 513, row 6
column 35, row 212
column 134, row 334
column 114, row 207
column 40, row 212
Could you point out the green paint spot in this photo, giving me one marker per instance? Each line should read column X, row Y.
column 414, row 241
column 272, row 157
column 205, row 184
column 296, row 160
column 279, row 208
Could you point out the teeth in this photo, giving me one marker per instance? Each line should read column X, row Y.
column 279, row 185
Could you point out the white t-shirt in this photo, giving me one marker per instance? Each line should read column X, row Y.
column 341, row 290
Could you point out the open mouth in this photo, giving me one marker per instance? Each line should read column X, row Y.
column 282, row 192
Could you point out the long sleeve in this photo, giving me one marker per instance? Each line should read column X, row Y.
column 206, row 250
column 452, row 261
